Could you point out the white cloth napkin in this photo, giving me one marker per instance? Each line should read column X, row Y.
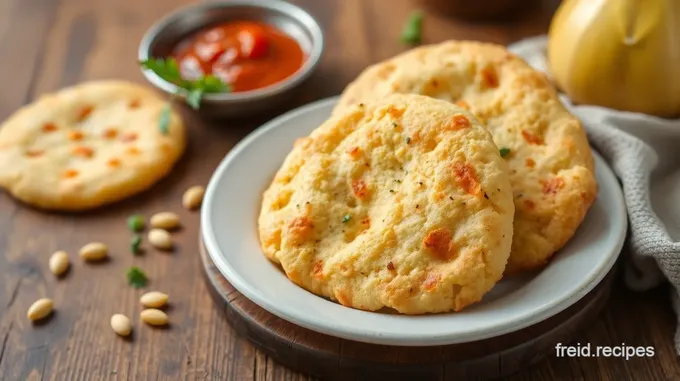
column 644, row 152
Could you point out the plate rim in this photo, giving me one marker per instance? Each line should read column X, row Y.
column 241, row 285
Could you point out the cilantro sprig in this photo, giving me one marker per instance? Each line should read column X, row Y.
column 168, row 69
column 135, row 243
column 193, row 90
column 412, row 32
column 136, row 277
column 164, row 119
column 136, row 222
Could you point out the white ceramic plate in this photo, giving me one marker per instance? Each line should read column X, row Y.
column 229, row 228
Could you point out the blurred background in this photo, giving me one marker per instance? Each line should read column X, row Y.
column 48, row 44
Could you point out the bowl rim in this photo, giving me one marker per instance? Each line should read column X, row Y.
column 291, row 10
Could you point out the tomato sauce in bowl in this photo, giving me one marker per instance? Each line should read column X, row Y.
column 247, row 55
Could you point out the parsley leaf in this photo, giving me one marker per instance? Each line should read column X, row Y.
column 212, row 84
column 164, row 68
column 346, row 218
column 168, row 69
column 164, row 119
column 136, row 222
column 504, row 151
column 136, row 277
column 412, row 31
column 135, row 242
column 194, row 98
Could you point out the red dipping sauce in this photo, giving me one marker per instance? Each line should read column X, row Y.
column 247, row 55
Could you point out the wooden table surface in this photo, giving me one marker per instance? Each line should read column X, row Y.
column 49, row 44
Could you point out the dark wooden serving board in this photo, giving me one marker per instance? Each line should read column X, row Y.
column 332, row 358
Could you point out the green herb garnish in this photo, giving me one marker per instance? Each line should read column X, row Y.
column 136, row 277
column 194, row 98
column 136, row 222
column 408, row 140
column 504, row 151
column 135, row 242
column 411, row 33
column 167, row 69
column 164, row 68
column 346, row 218
column 164, row 119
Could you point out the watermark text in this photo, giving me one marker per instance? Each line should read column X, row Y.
column 588, row 350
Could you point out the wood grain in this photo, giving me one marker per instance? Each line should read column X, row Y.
column 47, row 44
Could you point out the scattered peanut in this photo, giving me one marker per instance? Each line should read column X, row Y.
column 193, row 197
column 40, row 309
column 154, row 299
column 153, row 316
column 165, row 220
column 59, row 263
column 121, row 324
column 94, row 251
column 160, row 239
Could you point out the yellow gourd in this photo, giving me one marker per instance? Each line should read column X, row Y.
column 621, row 54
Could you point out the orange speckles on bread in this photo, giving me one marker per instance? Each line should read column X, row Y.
column 522, row 110
column 70, row 173
column 431, row 281
column 360, row 189
column 82, row 151
column 129, row 137
column 75, row 135
column 531, row 138
column 489, row 77
column 300, row 229
column 49, row 127
column 110, row 133
column 460, row 121
column 317, row 270
column 84, row 113
column 465, row 174
column 408, row 231
column 134, row 151
column 553, row 185
column 439, row 245
column 396, row 112
column 463, row 104
column 113, row 163
column 354, row 153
